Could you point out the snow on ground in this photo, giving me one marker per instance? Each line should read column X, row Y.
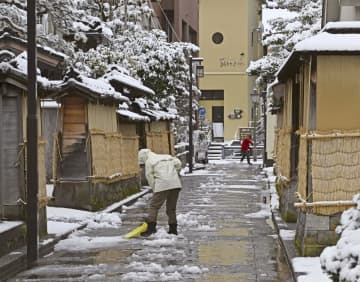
column 311, row 268
column 62, row 220
column 264, row 212
column 287, row 234
column 7, row 225
column 59, row 228
column 67, row 215
column 76, row 242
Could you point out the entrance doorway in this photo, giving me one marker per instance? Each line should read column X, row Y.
column 218, row 123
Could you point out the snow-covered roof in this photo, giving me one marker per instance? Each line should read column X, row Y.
column 342, row 25
column 335, row 36
column 115, row 76
column 158, row 114
column 325, row 41
column 7, row 53
column 7, row 68
column 132, row 116
column 154, row 111
column 95, row 88
column 17, row 68
column 42, row 49
column 341, row 40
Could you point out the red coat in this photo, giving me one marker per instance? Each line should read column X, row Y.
column 245, row 145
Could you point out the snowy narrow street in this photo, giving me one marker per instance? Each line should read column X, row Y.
column 226, row 234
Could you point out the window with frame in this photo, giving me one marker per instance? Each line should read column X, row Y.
column 212, row 94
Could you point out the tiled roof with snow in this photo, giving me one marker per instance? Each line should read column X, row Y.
column 158, row 114
column 132, row 116
column 124, row 112
column 45, row 49
column 99, row 87
column 127, row 80
column 17, row 67
column 154, row 111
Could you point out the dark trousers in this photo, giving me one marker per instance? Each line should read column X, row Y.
column 245, row 154
column 158, row 199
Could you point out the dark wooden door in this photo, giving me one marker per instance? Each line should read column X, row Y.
column 74, row 163
column 11, row 157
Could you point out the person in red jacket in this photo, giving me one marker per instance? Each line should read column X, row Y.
column 245, row 148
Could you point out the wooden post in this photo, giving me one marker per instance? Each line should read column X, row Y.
column 32, row 138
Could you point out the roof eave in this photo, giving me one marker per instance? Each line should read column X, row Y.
column 291, row 64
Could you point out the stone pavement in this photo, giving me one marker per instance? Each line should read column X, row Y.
column 226, row 234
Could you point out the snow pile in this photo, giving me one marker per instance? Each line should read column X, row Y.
column 63, row 220
column 77, row 243
column 287, row 234
column 161, row 239
column 274, row 197
column 191, row 220
column 105, row 220
column 156, row 272
column 311, row 267
column 342, row 260
column 67, row 215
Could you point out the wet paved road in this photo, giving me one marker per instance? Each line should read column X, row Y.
column 226, row 235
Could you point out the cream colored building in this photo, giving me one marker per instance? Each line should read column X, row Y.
column 229, row 38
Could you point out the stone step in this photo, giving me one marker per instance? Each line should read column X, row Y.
column 12, row 236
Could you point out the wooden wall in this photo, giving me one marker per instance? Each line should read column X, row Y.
column 159, row 126
column 12, row 182
column 102, row 117
column 50, row 118
column 127, row 129
column 13, row 113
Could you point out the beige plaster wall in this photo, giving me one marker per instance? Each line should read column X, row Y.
column 226, row 63
column 338, row 93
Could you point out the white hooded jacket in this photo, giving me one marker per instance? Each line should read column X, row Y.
column 161, row 171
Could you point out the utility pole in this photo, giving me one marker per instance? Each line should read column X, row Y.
column 198, row 73
column 265, row 127
column 32, row 180
column 191, row 145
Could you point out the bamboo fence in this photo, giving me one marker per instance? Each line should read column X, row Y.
column 283, row 145
column 113, row 156
column 158, row 142
column 334, row 160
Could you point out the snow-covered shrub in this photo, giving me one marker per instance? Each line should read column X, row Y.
column 342, row 260
column 287, row 23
